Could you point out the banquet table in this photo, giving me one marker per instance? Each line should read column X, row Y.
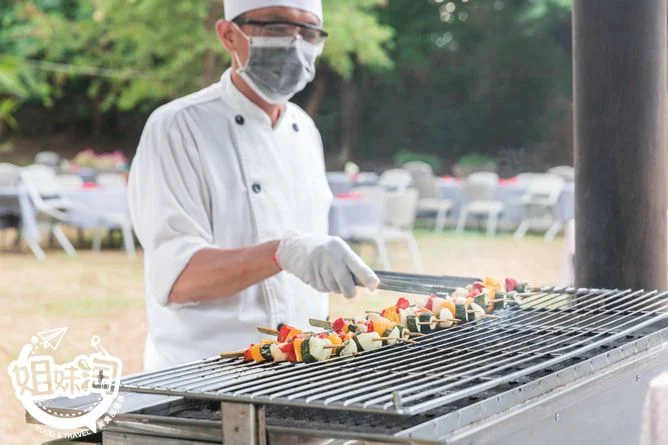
column 99, row 201
column 510, row 193
column 340, row 183
column 352, row 214
column 348, row 213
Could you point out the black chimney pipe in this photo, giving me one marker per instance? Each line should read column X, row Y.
column 619, row 89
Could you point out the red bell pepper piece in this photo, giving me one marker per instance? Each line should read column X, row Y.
column 339, row 324
column 283, row 333
column 289, row 350
column 429, row 304
column 511, row 284
column 402, row 303
column 247, row 354
column 474, row 293
column 369, row 326
column 478, row 285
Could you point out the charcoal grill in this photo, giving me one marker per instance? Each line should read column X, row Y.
column 566, row 366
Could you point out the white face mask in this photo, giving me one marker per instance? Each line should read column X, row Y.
column 278, row 67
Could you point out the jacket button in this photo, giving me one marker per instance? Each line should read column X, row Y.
column 239, row 119
column 257, row 188
column 295, row 126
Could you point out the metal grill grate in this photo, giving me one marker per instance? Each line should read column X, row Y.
column 551, row 327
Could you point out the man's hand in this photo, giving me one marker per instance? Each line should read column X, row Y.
column 326, row 263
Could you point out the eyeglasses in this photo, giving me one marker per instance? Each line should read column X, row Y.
column 280, row 28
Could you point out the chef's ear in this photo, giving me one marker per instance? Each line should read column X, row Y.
column 229, row 36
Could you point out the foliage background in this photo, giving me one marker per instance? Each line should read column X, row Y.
column 434, row 77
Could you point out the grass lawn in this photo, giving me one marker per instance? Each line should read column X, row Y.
column 102, row 294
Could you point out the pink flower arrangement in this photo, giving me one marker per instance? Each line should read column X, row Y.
column 115, row 160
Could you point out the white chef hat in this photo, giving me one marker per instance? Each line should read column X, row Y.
column 234, row 8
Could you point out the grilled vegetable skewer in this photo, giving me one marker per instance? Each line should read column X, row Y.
column 397, row 323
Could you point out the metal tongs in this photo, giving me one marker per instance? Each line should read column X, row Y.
column 420, row 284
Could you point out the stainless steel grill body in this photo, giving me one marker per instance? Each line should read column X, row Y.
column 547, row 370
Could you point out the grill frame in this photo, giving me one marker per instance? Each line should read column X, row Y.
column 632, row 311
column 149, row 419
column 507, row 414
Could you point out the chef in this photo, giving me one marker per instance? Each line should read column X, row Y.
column 229, row 198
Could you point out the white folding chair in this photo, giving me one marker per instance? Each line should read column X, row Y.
column 48, row 158
column 400, row 213
column 539, row 204
column 49, row 200
column 568, row 265
column 566, row 172
column 418, row 168
column 111, row 180
column 395, row 179
column 369, row 235
column 400, row 209
column 431, row 202
column 53, row 205
column 478, row 190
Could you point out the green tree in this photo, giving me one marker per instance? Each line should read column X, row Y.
column 136, row 53
column 17, row 83
column 471, row 76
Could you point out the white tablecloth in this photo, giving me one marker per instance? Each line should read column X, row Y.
column 655, row 416
column 345, row 215
column 100, row 201
column 348, row 215
column 340, row 183
column 510, row 195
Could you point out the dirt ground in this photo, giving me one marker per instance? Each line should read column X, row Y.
column 102, row 294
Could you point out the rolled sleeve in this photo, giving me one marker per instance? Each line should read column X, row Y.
column 167, row 262
column 169, row 201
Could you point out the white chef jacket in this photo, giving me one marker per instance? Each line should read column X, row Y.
column 211, row 171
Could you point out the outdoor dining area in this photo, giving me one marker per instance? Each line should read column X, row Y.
column 376, row 209
column 41, row 199
column 383, row 208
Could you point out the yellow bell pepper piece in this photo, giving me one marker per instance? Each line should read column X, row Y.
column 492, row 286
column 335, row 339
column 256, row 354
column 449, row 305
column 298, row 348
column 391, row 314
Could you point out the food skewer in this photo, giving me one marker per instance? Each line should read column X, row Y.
column 323, row 324
column 440, row 320
column 395, row 339
column 397, row 323
column 342, row 345
column 268, row 331
column 232, row 354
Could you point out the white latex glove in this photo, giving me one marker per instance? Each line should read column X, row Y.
column 325, row 263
